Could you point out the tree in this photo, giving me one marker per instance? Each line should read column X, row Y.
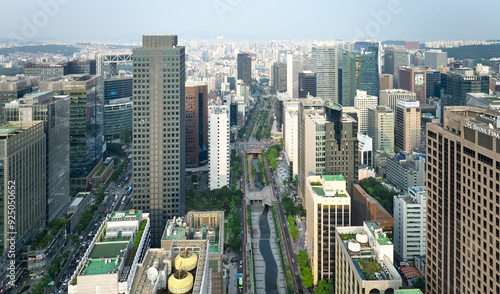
column 307, row 277
column 53, row 270
column 420, row 284
column 234, row 243
column 325, row 287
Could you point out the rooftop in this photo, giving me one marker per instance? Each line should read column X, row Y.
column 8, row 130
column 333, row 105
column 409, row 291
column 333, row 178
column 98, row 267
column 125, row 215
column 108, row 249
column 178, row 234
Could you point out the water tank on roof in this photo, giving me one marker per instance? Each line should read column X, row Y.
column 361, row 237
column 198, row 234
column 187, row 259
column 354, row 246
column 180, row 283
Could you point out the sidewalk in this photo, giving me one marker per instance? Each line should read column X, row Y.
column 260, row 266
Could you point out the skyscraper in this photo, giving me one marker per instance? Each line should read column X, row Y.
column 463, row 202
column 395, row 57
column 435, row 58
column 22, row 161
column 328, row 207
column 362, row 102
column 381, row 127
column 245, row 68
column 325, row 63
column 86, row 123
column 408, row 121
column 54, row 111
column 413, row 79
column 196, row 125
column 347, row 78
column 296, row 61
column 279, row 76
column 386, row 82
column 307, row 84
column 432, row 81
column 159, row 129
column 367, row 67
column 218, row 148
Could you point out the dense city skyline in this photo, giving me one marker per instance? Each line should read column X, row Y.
column 238, row 19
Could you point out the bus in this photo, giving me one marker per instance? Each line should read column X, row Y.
column 240, row 282
column 129, row 190
column 123, row 199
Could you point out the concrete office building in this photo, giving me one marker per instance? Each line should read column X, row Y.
column 432, row 81
column 49, row 70
column 410, row 223
column 308, row 108
column 408, row 123
column 405, row 170
column 118, row 88
column 54, row 111
column 218, row 148
column 296, row 61
column 362, row 102
column 325, row 63
column 483, row 100
column 86, row 124
column 413, row 79
column 364, row 261
column 456, row 84
column 118, row 121
column 279, row 76
column 366, row 208
column 435, row 58
column 111, row 260
column 307, row 84
column 23, row 165
column 290, row 136
column 463, row 201
column 390, row 97
column 381, row 127
column 394, row 58
column 328, row 207
column 159, row 130
column 12, row 88
column 365, row 150
column 196, row 125
column 386, row 82
column 244, row 68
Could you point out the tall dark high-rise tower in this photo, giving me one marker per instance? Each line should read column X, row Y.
column 196, row 125
column 159, row 130
column 245, row 68
column 307, row 84
column 394, row 58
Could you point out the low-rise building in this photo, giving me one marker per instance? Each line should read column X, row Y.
column 405, row 170
column 110, row 262
column 410, row 223
column 82, row 202
column 364, row 261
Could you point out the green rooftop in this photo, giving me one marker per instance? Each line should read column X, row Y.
column 97, row 267
column 384, row 241
column 333, row 105
column 319, row 191
column 179, row 233
column 7, row 130
column 136, row 213
column 331, row 178
column 409, row 291
column 107, row 250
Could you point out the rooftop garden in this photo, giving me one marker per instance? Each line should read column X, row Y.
column 138, row 239
column 347, row 237
column 101, row 170
column 369, row 268
column 48, row 234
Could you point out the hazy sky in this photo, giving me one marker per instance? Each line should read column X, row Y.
column 250, row 19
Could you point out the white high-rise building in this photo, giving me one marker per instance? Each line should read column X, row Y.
column 296, row 61
column 218, row 148
column 291, row 134
column 325, row 63
column 410, row 223
column 362, row 102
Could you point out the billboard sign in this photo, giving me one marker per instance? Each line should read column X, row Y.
column 419, row 79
